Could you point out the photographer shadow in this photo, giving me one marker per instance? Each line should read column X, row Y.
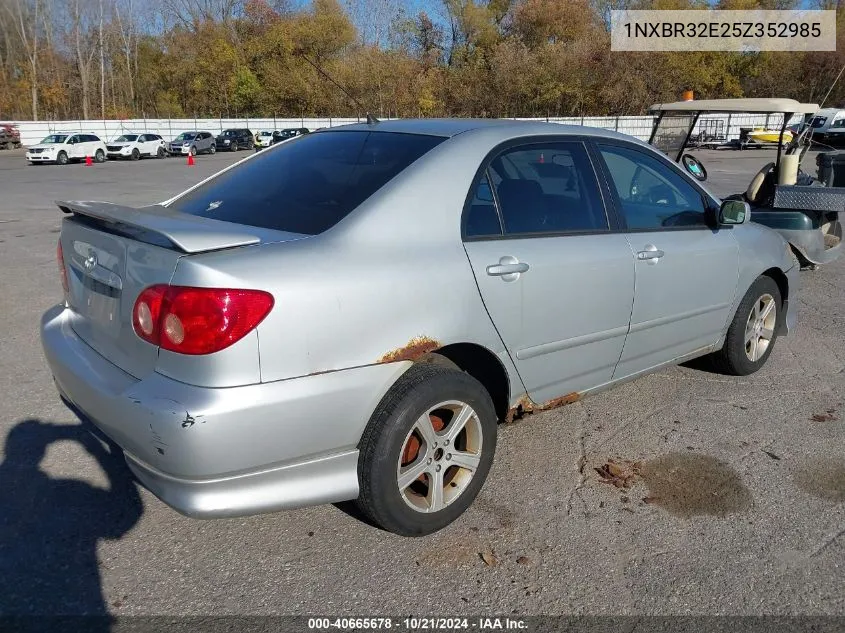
column 50, row 528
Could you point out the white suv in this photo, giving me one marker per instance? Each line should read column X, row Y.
column 63, row 147
column 136, row 145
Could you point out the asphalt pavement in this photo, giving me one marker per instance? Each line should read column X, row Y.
column 731, row 496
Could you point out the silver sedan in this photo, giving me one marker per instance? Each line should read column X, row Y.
column 348, row 315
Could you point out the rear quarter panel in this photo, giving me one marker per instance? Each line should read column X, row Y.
column 387, row 283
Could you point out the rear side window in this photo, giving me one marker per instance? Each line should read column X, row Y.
column 547, row 188
column 309, row 184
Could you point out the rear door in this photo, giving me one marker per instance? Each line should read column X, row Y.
column 90, row 145
column 686, row 268
column 75, row 146
column 557, row 282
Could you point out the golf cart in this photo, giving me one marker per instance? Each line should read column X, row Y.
column 807, row 213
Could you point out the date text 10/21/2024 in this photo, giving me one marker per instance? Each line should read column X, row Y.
column 417, row 624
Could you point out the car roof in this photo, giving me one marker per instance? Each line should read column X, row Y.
column 453, row 127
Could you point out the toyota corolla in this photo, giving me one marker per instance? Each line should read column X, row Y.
column 348, row 315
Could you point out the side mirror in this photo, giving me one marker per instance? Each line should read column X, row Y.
column 734, row 212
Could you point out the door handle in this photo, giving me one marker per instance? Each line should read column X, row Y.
column 498, row 270
column 509, row 268
column 651, row 253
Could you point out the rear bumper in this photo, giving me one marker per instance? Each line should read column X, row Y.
column 224, row 452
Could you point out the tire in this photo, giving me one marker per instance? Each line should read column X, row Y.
column 136, row 155
column 160, row 153
column 61, row 158
column 99, row 156
column 193, row 150
column 392, row 443
column 10, row 145
column 741, row 354
column 212, row 149
column 233, row 147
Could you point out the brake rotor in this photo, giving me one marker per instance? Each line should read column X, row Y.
column 412, row 446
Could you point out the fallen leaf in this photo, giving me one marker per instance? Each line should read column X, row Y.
column 488, row 558
column 523, row 560
column 620, row 474
column 650, row 500
column 772, row 455
column 824, row 417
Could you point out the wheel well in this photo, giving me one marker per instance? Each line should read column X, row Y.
column 481, row 364
column 780, row 279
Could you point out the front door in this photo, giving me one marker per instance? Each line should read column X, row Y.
column 686, row 268
column 557, row 283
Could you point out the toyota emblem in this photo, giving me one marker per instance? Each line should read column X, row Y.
column 90, row 261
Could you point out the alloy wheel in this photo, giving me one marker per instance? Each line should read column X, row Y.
column 760, row 327
column 439, row 456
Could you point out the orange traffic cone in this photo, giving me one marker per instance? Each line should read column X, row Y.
column 190, row 160
column 88, row 161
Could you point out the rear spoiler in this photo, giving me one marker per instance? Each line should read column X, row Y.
column 188, row 233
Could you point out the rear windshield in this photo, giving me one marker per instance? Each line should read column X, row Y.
column 308, row 184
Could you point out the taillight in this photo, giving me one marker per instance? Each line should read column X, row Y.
column 198, row 320
column 60, row 260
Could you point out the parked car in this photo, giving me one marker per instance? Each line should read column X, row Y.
column 134, row 146
column 192, row 143
column 263, row 139
column 283, row 135
column 280, row 336
column 235, row 139
column 64, row 147
column 10, row 136
column 828, row 126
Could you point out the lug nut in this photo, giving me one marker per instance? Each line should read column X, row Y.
column 448, row 455
column 429, row 460
column 438, row 467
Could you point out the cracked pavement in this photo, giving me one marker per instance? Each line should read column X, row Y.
column 737, row 506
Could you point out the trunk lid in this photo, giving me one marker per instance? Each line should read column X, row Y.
column 106, row 273
column 111, row 253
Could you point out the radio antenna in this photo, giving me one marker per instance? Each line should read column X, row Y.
column 371, row 120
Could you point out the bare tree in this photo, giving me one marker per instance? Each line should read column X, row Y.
column 126, row 29
column 83, row 59
column 191, row 13
column 25, row 16
column 102, row 66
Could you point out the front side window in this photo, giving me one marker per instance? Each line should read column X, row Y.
column 309, row 184
column 54, row 138
column 652, row 196
column 126, row 138
column 546, row 188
